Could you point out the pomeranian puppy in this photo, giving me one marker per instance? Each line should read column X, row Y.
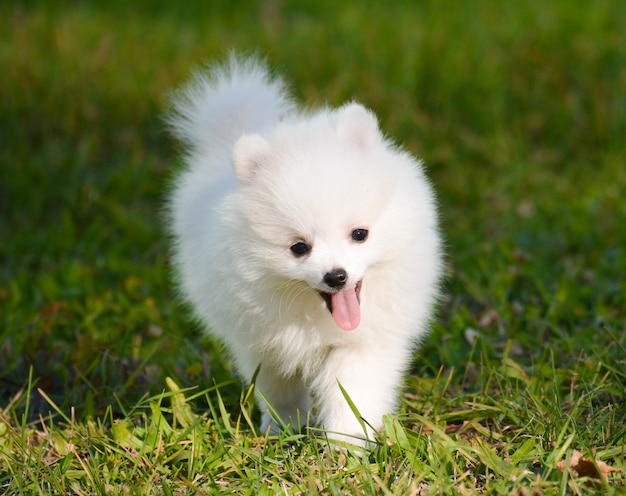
column 307, row 242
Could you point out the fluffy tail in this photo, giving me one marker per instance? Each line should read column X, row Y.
column 225, row 100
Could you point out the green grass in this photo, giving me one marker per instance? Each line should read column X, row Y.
column 519, row 111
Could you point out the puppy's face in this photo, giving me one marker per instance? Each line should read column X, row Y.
column 326, row 241
column 313, row 196
column 334, row 264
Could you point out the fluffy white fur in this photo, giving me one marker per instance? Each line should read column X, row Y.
column 262, row 176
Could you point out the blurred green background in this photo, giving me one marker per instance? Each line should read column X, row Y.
column 517, row 108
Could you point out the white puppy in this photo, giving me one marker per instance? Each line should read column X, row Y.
column 306, row 241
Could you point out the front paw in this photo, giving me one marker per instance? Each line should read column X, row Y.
column 275, row 423
column 358, row 443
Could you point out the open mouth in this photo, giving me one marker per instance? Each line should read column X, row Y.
column 344, row 306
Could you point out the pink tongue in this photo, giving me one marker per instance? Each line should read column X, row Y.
column 346, row 309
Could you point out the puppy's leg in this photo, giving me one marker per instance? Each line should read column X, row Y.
column 287, row 396
column 371, row 377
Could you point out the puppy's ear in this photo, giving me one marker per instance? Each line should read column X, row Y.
column 249, row 153
column 358, row 125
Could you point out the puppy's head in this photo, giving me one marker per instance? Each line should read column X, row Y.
column 318, row 198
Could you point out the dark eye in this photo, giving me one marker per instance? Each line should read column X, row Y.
column 300, row 248
column 360, row 234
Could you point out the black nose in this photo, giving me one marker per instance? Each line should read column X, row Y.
column 336, row 279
